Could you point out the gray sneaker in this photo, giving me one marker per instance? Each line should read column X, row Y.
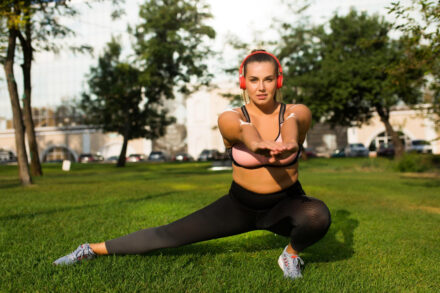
column 82, row 252
column 290, row 264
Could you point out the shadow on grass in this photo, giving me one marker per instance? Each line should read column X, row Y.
column 53, row 211
column 336, row 245
column 10, row 183
column 434, row 183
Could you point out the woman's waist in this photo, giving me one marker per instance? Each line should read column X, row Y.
column 262, row 201
column 265, row 179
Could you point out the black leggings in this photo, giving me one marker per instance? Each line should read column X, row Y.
column 289, row 213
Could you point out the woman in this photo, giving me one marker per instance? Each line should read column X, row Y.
column 264, row 140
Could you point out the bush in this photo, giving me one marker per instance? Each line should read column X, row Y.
column 417, row 163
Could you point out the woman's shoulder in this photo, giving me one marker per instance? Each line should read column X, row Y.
column 231, row 113
column 290, row 107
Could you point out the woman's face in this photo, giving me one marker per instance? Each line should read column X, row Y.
column 261, row 82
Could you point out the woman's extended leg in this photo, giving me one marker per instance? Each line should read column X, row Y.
column 223, row 217
column 219, row 219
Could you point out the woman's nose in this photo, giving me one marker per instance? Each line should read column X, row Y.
column 261, row 86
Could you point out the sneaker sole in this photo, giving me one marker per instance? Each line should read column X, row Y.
column 280, row 263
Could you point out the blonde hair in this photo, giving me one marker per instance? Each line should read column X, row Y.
column 278, row 96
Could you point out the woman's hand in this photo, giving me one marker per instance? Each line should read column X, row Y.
column 275, row 150
column 289, row 149
column 267, row 148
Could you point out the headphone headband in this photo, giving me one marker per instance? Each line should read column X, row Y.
column 280, row 69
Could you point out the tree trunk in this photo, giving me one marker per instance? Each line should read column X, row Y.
column 384, row 115
column 121, row 160
column 26, row 44
column 122, row 155
column 23, row 167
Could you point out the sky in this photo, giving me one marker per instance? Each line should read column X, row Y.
column 62, row 77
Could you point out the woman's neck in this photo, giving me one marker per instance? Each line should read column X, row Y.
column 266, row 109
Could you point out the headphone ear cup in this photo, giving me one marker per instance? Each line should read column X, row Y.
column 280, row 81
column 242, row 83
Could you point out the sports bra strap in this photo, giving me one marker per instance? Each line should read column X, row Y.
column 245, row 113
column 282, row 110
column 280, row 118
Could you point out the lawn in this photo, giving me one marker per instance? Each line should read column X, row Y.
column 385, row 234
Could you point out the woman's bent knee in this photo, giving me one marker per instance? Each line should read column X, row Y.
column 318, row 216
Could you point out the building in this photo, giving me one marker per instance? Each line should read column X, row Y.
column 409, row 123
column 61, row 135
column 203, row 108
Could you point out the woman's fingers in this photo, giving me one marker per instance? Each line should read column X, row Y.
column 269, row 148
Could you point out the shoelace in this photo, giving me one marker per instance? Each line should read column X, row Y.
column 299, row 262
column 299, row 259
column 82, row 252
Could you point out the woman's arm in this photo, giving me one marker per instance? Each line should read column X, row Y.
column 296, row 124
column 234, row 130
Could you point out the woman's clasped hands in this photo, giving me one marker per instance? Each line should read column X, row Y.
column 275, row 150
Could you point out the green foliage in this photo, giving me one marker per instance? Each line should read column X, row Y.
column 116, row 102
column 417, row 163
column 44, row 18
column 3, row 39
column 419, row 21
column 170, row 45
column 342, row 71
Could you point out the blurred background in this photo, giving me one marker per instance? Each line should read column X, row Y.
column 116, row 81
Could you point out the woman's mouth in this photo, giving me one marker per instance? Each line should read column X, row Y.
column 262, row 97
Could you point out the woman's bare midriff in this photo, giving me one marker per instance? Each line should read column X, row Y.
column 265, row 179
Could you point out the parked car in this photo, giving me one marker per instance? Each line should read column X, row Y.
column 136, row 158
column 7, row 157
column 385, row 150
column 112, row 159
column 158, row 156
column 182, row 157
column 420, row 146
column 210, row 155
column 356, row 150
column 89, row 158
column 339, row 153
column 310, row 153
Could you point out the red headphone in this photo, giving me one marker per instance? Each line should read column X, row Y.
column 280, row 70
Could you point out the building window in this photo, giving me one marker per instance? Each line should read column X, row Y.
column 58, row 154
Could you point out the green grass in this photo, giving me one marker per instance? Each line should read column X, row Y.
column 385, row 234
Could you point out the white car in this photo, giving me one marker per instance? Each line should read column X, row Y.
column 420, row 146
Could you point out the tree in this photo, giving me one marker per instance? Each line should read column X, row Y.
column 11, row 12
column 36, row 25
column 169, row 51
column 170, row 46
column 344, row 73
column 20, row 17
column 117, row 103
column 419, row 21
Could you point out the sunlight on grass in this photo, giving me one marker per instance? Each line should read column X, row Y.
column 384, row 234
